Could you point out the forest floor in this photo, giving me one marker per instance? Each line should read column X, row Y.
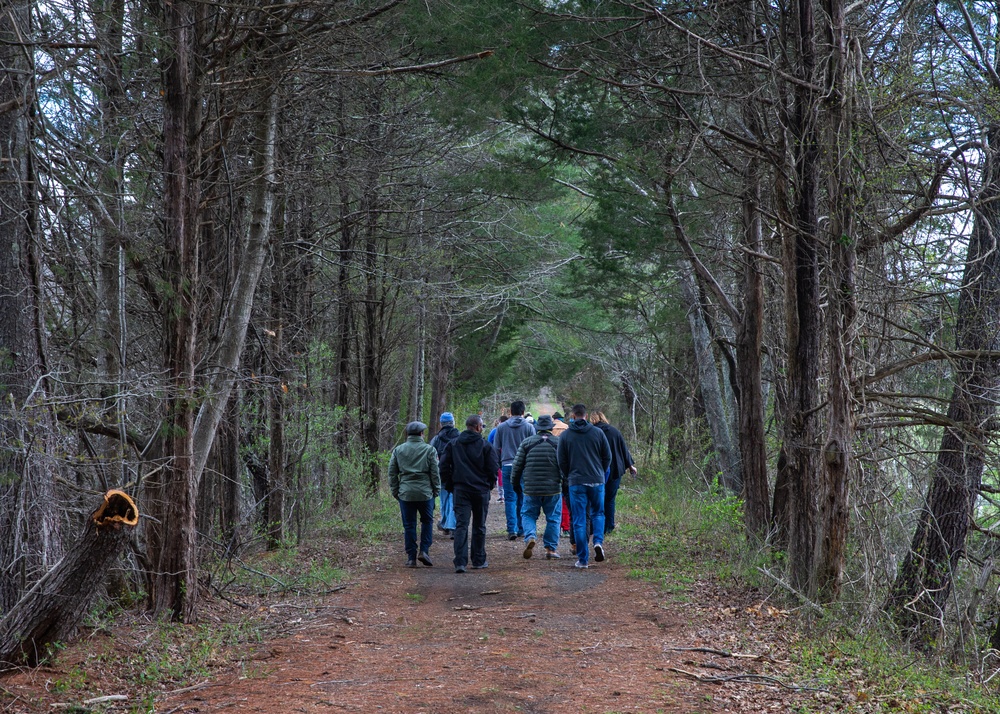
column 520, row 636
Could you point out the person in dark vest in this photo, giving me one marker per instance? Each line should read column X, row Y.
column 584, row 459
column 415, row 482
column 536, row 476
column 621, row 461
column 441, row 440
column 469, row 470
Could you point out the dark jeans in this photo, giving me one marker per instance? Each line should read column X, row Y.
column 470, row 504
column 610, row 491
column 410, row 510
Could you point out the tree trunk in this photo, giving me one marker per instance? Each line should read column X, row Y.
column 441, row 369
column 711, row 390
column 57, row 604
column 803, row 318
column 173, row 498
column 29, row 522
column 278, row 485
column 919, row 595
column 749, row 335
column 838, row 452
column 750, row 326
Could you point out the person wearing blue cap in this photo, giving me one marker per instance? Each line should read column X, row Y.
column 415, row 481
column 440, row 442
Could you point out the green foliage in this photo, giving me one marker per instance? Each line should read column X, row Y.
column 880, row 677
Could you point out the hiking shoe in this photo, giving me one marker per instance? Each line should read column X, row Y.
column 425, row 559
column 480, row 567
column 411, row 563
column 580, row 564
column 528, row 547
column 460, row 569
column 599, row 552
column 552, row 554
column 512, row 536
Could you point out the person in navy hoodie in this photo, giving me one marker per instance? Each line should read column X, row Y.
column 584, row 457
column 508, row 437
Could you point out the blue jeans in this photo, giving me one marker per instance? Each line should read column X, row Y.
column 586, row 502
column 551, row 506
column 511, row 502
column 610, row 492
column 447, row 510
column 410, row 510
column 472, row 505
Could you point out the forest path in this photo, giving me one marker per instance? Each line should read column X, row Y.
column 520, row 636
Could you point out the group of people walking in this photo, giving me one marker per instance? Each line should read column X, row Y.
column 542, row 465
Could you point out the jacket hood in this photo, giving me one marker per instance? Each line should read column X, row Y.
column 580, row 425
column 467, row 437
column 515, row 421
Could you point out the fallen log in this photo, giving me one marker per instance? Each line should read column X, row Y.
column 55, row 606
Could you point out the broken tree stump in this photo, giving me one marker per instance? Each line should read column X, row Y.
column 56, row 605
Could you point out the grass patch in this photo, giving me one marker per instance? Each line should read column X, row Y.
column 674, row 537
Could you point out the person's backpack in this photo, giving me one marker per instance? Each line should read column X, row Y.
column 543, row 437
column 441, row 443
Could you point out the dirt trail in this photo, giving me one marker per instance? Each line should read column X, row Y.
column 520, row 636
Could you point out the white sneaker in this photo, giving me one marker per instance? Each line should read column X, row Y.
column 578, row 564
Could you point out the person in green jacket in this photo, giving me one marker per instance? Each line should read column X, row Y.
column 415, row 482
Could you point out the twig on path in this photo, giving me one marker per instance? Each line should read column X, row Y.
column 337, row 589
column 107, row 698
column 706, row 650
column 371, row 681
column 193, row 687
column 465, row 607
column 724, row 653
column 491, row 592
column 750, row 678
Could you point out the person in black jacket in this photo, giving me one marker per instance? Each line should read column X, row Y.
column 469, row 469
column 621, row 461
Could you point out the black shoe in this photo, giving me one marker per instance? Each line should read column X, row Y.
column 423, row 558
column 460, row 569
column 480, row 567
column 411, row 563
column 599, row 553
column 512, row 536
column 449, row 531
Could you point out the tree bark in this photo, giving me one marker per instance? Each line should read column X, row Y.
column 57, row 604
